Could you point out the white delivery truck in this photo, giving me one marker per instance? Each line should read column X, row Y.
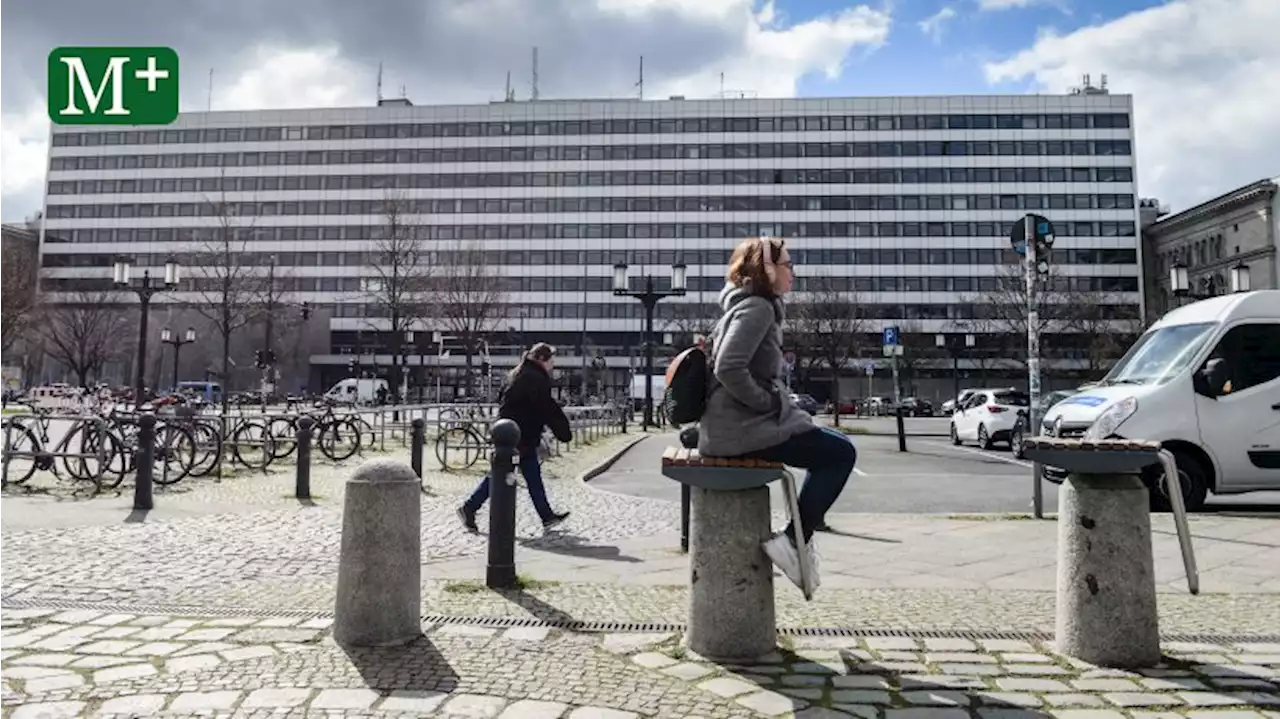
column 1204, row 381
column 356, row 391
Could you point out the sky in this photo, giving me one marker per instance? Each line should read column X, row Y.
column 1205, row 74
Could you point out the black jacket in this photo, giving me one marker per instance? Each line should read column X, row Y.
column 529, row 403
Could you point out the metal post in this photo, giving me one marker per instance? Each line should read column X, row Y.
column 902, row 431
column 143, row 461
column 686, row 496
column 139, row 377
column 650, row 305
column 955, row 372
column 501, row 571
column 1033, row 354
column 302, row 480
column 416, row 443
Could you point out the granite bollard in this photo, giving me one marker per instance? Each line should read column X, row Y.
column 1106, row 609
column 731, row 600
column 379, row 593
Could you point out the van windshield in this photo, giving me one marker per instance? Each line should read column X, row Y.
column 1160, row 355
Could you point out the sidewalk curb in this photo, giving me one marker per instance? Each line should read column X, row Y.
column 604, row 465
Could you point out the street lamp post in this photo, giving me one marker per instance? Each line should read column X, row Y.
column 650, row 296
column 145, row 289
column 1180, row 282
column 169, row 338
column 953, row 348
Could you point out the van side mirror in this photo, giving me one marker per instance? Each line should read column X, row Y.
column 1211, row 380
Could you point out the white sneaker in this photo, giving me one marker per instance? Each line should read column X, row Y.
column 815, row 577
column 784, row 556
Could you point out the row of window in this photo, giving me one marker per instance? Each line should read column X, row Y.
column 600, row 153
column 620, row 178
column 635, row 258
column 510, row 316
column 617, row 231
column 548, row 205
column 828, row 123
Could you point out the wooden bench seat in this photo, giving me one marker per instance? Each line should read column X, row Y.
column 680, row 457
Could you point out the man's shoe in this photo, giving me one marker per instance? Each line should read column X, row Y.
column 468, row 520
column 555, row 520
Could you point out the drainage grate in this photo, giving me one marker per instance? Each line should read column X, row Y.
column 575, row 625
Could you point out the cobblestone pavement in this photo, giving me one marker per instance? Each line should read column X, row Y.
column 91, row 663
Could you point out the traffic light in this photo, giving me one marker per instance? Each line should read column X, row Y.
column 257, row 359
column 270, row 358
column 351, row 367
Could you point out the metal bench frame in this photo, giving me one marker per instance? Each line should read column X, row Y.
column 738, row 474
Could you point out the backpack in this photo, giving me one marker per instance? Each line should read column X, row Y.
column 685, row 398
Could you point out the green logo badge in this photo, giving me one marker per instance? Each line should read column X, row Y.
column 113, row 85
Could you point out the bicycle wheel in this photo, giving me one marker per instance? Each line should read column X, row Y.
column 251, row 444
column 208, row 448
column 459, row 447
column 284, row 436
column 175, row 452
column 339, row 439
column 20, row 438
column 88, row 438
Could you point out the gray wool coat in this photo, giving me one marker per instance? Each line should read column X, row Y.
column 748, row 406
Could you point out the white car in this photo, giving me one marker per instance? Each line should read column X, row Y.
column 988, row 416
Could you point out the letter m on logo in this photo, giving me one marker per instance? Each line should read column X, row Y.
column 113, row 85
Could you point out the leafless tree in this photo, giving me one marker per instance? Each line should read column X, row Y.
column 85, row 333
column 400, row 280
column 1003, row 314
column 17, row 292
column 1104, row 338
column 226, row 284
column 831, row 324
column 473, row 298
column 689, row 320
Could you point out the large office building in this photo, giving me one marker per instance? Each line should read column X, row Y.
column 902, row 202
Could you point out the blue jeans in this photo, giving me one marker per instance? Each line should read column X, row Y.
column 531, row 469
column 828, row 456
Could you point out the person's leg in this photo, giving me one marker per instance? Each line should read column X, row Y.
column 828, row 456
column 467, row 512
column 531, row 469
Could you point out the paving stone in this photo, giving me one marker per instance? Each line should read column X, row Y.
column 1141, row 699
column 1087, row 714
column 1003, row 713
column 45, row 660
column 108, row 620
column 128, row 671
column 1016, row 699
column 772, row 703
column 35, row 672
column 939, row 681
column 727, row 687
column 108, row 647
column 811, row 668
column 231, row 622
column 892, row 643
column 527, row 634
column 1073, row 700
column 193, row 702
column 1208, row 699
column 77, row 616
column 344, row 699
column 804, row 680
column 600, row 713
column 809, row 693
column 1106, row 685
column 898, row 667
column 861, row 696
column 949, row 645
column 1006, row 645
column 531, row 709
column 890, row 656
column 971, row 669
column 155, row 649
column 1241, row 683
column 1226, row 714
column 279, row 622
column 653, row 660
column 1155, row 715
column 687, row 671
column 628, row 643
column 820, row 713
column 159, row 633
column 117, row 632
column 27, row 613
column 205, row 635
column 195, row 662
column 1039, row 670
column 864, row 712
column 275, row 698
column 1257, row 647
column 943, row 698
column 421, row 702
column 959, row 658
column 49, row 710
column 48, row 684
column 1173, row 684
column 1024, row 658
column 100, row 662
column 926, row 713
column 205, row 648
column 149, row 621
column 1192, row 647
column 133, row 706
column 258, row 635
column 236, row 655
column 859, row 681
column 320, row 623
column 478, row 706
column 1022, row 684
column 181, row 623
column 1260, row 699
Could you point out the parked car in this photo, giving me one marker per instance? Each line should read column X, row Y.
column 917, row 407
column 805, row 402
column 878, row 407
column 989, row 416
column 1047, row 402
column 949, row 407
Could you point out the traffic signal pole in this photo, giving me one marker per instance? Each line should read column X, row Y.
column 1031, row 270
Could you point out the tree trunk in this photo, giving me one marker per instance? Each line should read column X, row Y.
column 82, row 376
column 835, row 397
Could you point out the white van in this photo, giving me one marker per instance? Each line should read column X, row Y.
column 1204, row 381
column 356, row 391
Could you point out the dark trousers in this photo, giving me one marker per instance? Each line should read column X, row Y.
column 531, row 469
column 828, row 456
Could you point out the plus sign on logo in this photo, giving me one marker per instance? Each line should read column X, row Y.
column 113, row 85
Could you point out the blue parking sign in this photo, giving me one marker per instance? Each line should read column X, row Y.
column 890, row 336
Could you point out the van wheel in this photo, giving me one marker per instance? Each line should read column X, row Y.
column 955, row 436
column 984, row 439
column 1192, row 477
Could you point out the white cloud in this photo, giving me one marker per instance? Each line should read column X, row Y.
column 1005, row 4
column 327, row 54
column 1205, row 75
column 934, row 25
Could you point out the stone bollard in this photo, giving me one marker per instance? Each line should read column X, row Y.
column 418, row 440
column 1106, row 610
column 731, row 601
column 302, row 472
column 500, row 573
column 144, row 462
column 379, row 592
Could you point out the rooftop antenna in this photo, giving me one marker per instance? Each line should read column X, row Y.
column 534, row 95
column 509, row 95
column 641, row 83
column 379, row 82
column 722, row 84
column 208, row 102
column 404, row 91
